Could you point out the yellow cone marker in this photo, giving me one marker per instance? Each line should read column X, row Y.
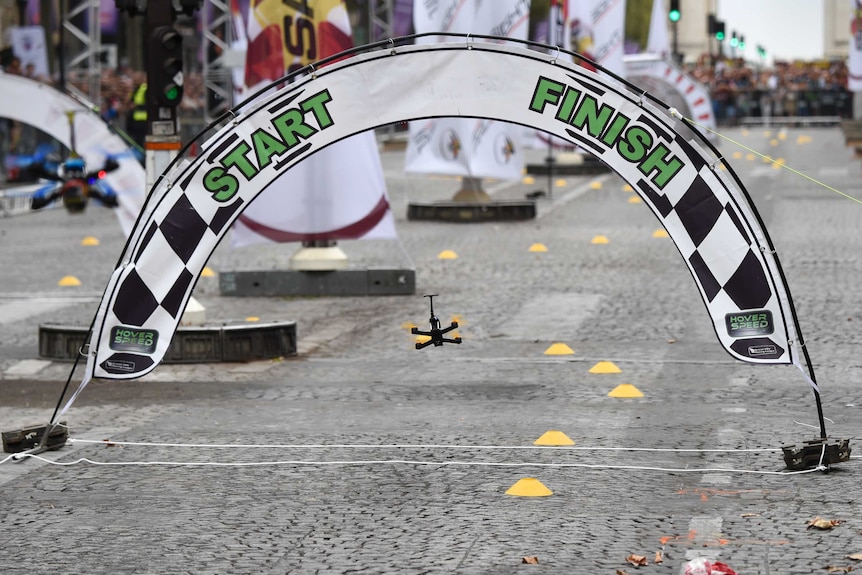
column 252, row 318
column 68, row 281
column 528, row 180
column 207, row 273
column 749, row 157
column 559, row 349
column 605, row 367
column 773, row 142
column 745, row 132
column 554, row 438
column 529, row 487
column 634, row 199
column 782, row 135
column 660, row 233
column 600, row 240
column 90, row 241
column 625, row 390
column 803, row 139
column 538, row 248
column 628, row 188
column 595, row 185
column 561, row 183
column 447, row 255
column 737, row 155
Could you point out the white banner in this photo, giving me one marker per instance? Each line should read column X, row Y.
column 658, row 41
column 598, row 31
column 854, row 58
column 28, row 44
column 472, row 148
column 341, row 194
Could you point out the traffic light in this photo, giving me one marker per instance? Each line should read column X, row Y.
column 734, row 41
column 166, row 54
column 719, row 31
column 674, row 13
column 742, row 42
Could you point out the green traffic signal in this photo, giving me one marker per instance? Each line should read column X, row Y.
column 674, row 15
column 719, row 36
column 172, row 93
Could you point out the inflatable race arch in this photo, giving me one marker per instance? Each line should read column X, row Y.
column 705, row 210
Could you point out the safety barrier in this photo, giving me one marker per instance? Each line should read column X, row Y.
column 16, row 201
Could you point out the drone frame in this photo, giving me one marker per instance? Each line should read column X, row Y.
column 435, row 333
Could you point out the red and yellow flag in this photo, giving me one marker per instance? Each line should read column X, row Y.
column 285, row 35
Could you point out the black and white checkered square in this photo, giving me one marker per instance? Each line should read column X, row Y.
column 167, row 260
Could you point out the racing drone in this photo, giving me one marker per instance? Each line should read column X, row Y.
column 435, row 333
column 71, row 182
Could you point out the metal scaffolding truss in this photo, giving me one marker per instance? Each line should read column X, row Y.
column 379, row 20
column 82, row 59
column 218, row 41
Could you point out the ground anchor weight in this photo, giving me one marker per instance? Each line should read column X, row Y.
column 815, row 453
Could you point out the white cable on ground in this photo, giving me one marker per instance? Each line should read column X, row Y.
column 412, row 446
column 410, row 462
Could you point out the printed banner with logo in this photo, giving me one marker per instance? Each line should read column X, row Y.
column 476, row 148
column 598, row 31
column 340, row 193
column 706, row 212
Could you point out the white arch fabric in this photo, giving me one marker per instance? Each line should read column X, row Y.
column 706, row 213
column 37, row 104
column 690, row 91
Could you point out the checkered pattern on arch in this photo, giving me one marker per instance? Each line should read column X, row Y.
column 714, row 242
column 165, row 268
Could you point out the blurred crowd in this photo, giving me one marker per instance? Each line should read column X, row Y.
column 787, row 89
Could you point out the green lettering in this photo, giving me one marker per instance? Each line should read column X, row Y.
column 547, row 92
column 236, row 157
column 291, row 127
column 564, row 113
column 634, row 144
column 661, row 160
column 265, row 147
column 316, row 105
column 589, row 113
column 615, row 129
column 220, row 184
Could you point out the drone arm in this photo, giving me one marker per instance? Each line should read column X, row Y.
column 44, row 196
column 450, row 328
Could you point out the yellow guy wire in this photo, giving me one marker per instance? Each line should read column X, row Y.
column 675, row 112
